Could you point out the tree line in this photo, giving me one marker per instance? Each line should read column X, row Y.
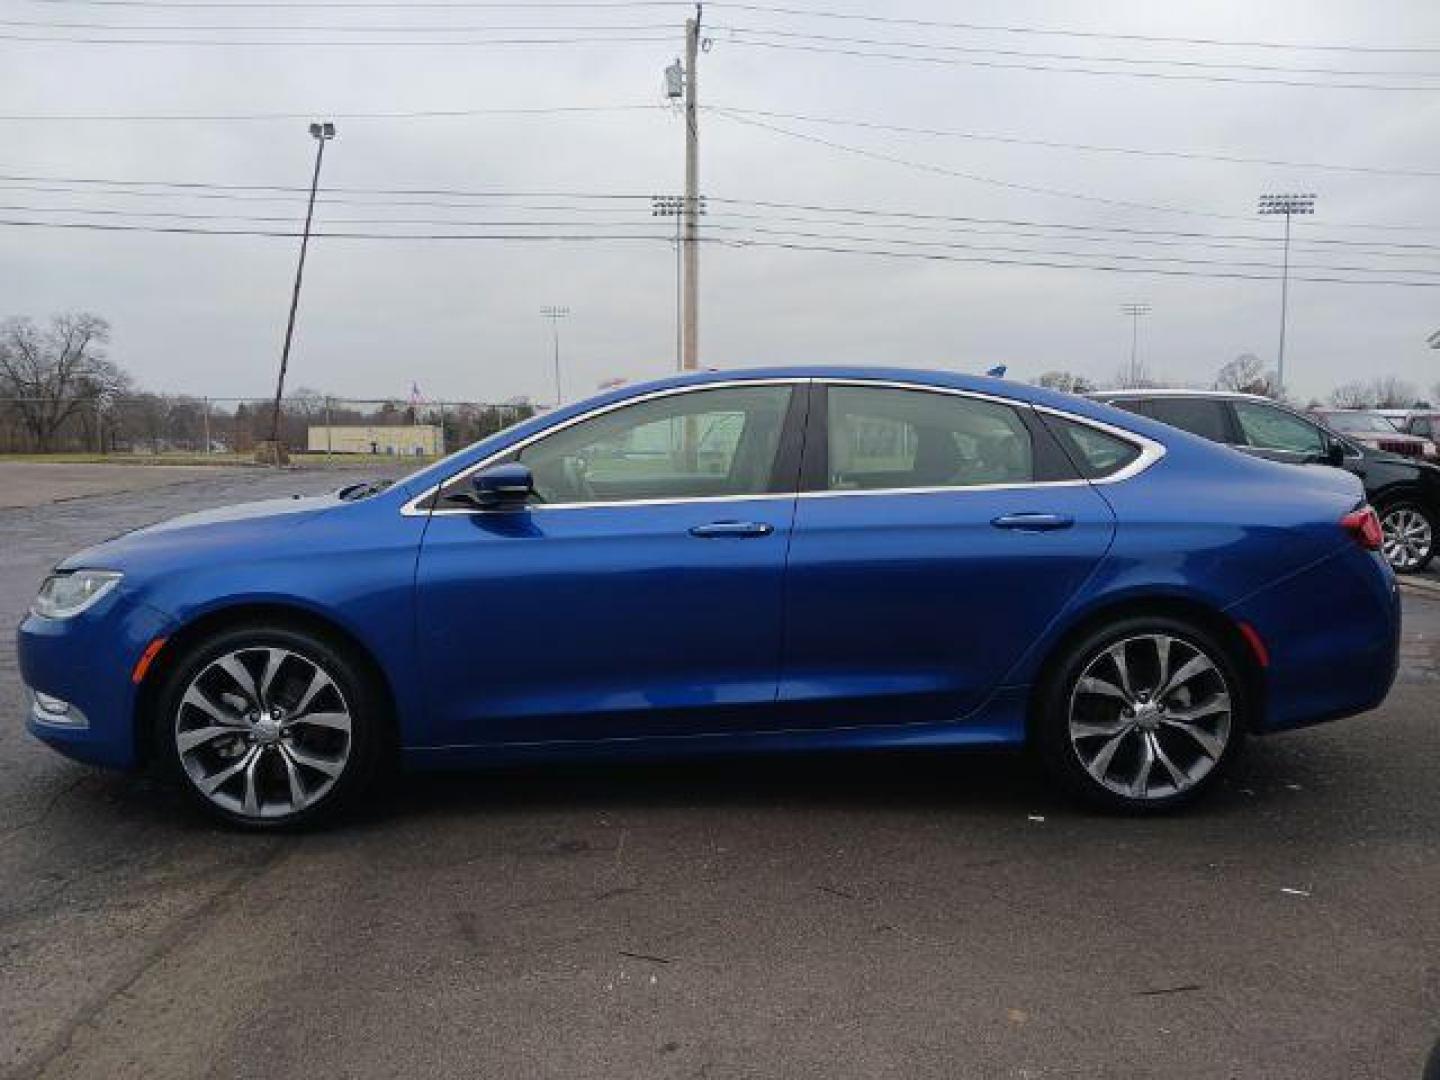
column 60, row 391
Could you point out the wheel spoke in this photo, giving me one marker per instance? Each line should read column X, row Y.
column 1117, row 657
column 330, row 768
column 251, row 804
column 212, row 783
column 1082, row 729
column 1178, row 778
column 273, row 659
column 1196, row 665
column 1140, row 782
column 318, row 682
column 1217, row 704
column 1213, row 745
column 1092, row 685
column 336, row 721
column 240, row 675
column 1162, row 660
column 193, row 697
column 292, row 776
column 1100, row 763
column 186, row 741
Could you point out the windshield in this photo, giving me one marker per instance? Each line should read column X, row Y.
column 1361, row 423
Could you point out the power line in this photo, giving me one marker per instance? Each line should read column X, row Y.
column 767, row 9
column 1015, row 140
column 322, row 43
column 1072, row 70
column 638, row 202
column 994, row 28
column 415, row 114
column 665, row 238
column 982, row 50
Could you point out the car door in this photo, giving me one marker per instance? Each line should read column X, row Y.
column 937, row 535
column 638, row 594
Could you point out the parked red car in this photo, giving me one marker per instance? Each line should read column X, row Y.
column 1372, row 430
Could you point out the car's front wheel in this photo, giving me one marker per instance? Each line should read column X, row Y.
column 1141, row 715
column 1407, row 537
column 269, row 727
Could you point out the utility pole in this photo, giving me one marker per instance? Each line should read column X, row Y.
column 1134, row 311
column 674, row 206
column 555, row 314
column 690, row 350
column 1289, row 205
column 321, row 133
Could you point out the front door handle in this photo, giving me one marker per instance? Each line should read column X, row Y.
column 734, row 529
column 1033, row 522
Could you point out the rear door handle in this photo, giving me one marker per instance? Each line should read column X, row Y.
column 734, row 529
column 1033, row 522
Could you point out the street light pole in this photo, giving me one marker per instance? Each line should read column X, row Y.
column 1289, row 205
column 555, row 314
column 1134, row 311
column 321, row 133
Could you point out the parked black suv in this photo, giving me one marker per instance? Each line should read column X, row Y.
column 1404, row 491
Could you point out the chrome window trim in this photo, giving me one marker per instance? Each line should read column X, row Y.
column 414, row 509
column 1150, row 451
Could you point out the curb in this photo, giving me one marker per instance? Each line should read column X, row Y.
column 1421, row 587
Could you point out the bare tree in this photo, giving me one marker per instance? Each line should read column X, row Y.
column 1246, row 374
column 1065, row 381
column 1357, row 394
column 1394, row 393
column 52, row 373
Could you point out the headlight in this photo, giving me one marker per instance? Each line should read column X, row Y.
column 68, row 594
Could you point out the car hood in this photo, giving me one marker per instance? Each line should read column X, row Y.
column 204, row 535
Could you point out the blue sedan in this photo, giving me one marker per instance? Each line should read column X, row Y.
column 779, row 560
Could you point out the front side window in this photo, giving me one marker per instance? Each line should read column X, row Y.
column 885, row 437
column 1420, row 425
column 1269, row 428
column 696, row 444
column 1199, row 416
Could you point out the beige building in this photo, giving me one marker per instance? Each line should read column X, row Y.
column 399, row 440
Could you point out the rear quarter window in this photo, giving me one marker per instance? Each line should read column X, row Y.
column 1096, row 454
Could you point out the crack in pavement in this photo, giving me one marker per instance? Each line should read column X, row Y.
column 180, row 932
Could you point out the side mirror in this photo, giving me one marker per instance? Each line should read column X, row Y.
column 502, row 487
column 1335, row 453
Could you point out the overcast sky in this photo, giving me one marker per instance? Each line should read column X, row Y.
column 205, row 313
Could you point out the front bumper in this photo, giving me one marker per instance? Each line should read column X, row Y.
column 86, row 662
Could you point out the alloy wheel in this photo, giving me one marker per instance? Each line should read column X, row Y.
column 263, row 732
column 1150, row 716
column 1406, row 538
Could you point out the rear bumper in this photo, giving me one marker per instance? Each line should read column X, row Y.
column 1333, row 636
column 86, row 663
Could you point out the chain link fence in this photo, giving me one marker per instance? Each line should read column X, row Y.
column 176, row 427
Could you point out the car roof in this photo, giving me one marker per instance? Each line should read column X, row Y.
column 1176, row 391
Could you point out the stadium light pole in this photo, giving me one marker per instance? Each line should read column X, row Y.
column 555, row 314
column 1289, row 205
column 1134, row 311
column 322, row 133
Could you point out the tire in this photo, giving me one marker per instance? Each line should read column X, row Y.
column 270, row 727
column 1409, row 530
column 1117, row 743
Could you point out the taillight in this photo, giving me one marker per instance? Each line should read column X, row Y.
column 1364, row 526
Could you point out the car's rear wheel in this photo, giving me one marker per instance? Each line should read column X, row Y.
column 1142, row 715
column 270, row 727
column 1407, row 537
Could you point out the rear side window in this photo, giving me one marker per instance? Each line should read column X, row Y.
column 1199, row 416
column 1268, row 428
column 882, row 437
column 1096, row 453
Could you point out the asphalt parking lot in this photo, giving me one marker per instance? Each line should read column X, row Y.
column 879, row 916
